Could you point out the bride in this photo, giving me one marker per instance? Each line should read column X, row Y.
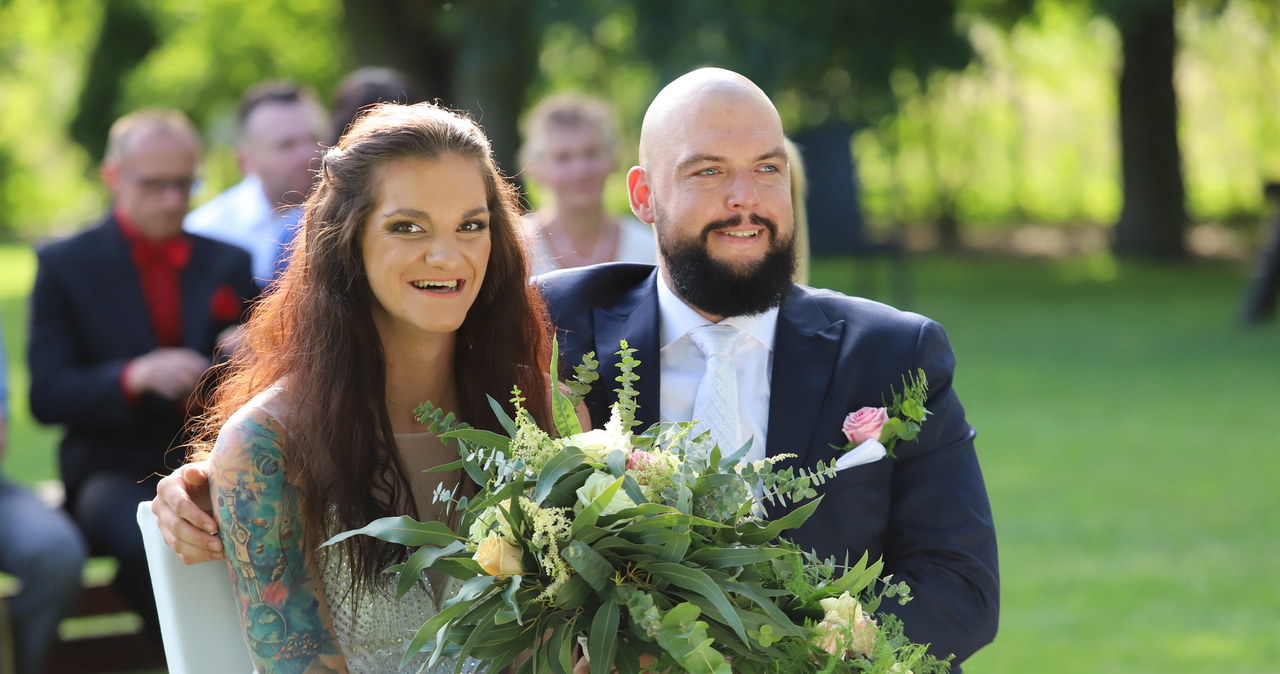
column 407, row 283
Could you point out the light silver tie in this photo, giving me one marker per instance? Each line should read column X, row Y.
column 716, row 404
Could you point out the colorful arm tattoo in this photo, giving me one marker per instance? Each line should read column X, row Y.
column 279, row 593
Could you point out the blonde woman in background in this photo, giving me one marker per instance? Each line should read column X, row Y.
column 570, row 149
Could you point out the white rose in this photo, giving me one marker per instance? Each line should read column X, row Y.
column 599, row 443
column 491, row 522
column 594, row 487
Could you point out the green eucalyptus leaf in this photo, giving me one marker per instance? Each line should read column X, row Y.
column 556, row 467
column 403, row 530
column 603, row 640
column 589, row 564
column 754, row 534
column 575, row 592
column 422, row 558
column 481, row 438
column 720, row 558
column 508, row 424
column 698, row 581
column 434, row 630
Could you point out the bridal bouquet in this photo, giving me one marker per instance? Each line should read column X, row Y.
column 638, row 551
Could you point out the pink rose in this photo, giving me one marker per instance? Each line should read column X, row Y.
column 865, row 424
column 639, row 459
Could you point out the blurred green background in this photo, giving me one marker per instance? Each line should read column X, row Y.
column 1079, row 184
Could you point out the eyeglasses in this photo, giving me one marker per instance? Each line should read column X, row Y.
column 183, row 184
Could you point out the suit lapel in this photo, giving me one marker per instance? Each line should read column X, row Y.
column 195, row 309
column 635, row 319
column 805, row 350
column 121, row 289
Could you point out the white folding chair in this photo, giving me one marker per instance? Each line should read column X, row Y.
column 198, row 617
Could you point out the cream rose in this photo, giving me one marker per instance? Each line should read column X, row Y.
column 845, row 629
column 497, row 557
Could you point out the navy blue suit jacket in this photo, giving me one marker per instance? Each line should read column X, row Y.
column 925, row 512
column 88, row 319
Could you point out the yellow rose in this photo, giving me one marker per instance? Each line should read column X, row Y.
column 497, row 557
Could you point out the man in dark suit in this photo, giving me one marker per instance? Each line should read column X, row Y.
column 714, row 182
column 125, row 319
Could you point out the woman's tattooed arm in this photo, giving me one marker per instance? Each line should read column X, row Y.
column 280, row 596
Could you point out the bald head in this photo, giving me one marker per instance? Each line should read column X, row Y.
column 691, row 98
column 714, row 182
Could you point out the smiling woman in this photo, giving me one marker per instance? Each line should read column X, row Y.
column 407, row 274
column 426, row 246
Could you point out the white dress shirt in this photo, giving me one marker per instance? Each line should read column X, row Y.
column 242, row 216
column 682, row 365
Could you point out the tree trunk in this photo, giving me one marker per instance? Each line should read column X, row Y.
column 479, row 56
column 401, row 34
column 1154, row 217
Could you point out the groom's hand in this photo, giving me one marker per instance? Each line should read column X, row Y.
column 184, row 514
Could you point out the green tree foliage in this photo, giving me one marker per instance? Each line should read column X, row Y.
column 825, row 59
column 992, row 111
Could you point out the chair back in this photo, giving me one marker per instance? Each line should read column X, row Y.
column 198, row 616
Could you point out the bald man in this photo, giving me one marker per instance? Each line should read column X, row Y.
column 124, row 320
column 714, row 183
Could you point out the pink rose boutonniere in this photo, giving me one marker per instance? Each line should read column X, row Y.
column 872, row 432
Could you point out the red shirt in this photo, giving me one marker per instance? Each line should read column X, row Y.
column 159, row 264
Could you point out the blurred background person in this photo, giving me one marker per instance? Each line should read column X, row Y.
column 364, row 87
column 569, row 151
column 281, row 126
column 799, row 186
column 125, row 318
column 42, row 549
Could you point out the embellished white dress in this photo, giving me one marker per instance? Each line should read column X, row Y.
column 375, row 630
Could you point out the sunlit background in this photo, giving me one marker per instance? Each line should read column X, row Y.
column 1093, row 281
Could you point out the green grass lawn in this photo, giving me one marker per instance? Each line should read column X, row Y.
column 1127, row 427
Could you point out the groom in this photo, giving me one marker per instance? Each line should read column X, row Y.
column 713, row 180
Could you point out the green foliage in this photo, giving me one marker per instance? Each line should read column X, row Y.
column 659, row 524
column 627, row 393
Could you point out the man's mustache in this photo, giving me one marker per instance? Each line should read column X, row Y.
column 736, row 220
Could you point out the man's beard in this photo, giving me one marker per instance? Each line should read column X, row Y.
column 722, row 289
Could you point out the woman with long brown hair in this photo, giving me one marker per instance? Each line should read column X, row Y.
column 407, row 283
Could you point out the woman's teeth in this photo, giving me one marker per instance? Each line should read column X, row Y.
column 436, row 285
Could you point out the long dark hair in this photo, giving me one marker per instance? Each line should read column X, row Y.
column 315, row 330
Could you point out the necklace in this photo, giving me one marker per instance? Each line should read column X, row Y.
column 566, row 252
